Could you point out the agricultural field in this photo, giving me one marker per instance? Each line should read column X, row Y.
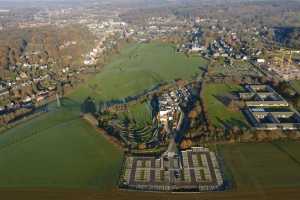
column 263, row 171
column 58, row 149
column 263, row 165
column 139, row 67
column 216, row 98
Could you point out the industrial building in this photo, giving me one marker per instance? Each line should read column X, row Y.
column 267, row 110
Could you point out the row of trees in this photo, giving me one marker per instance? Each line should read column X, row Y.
column 11, row 116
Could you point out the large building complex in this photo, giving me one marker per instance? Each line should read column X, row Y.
column 262, row 96
column 267, row 110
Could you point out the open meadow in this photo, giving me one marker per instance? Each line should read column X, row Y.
column 216, row 98
column 263, row 165
column 139, row 112
column 139, row 67
column 58, row 149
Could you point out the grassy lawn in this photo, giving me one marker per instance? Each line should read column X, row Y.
column 57, row 149
column 264, row 165
column 219, row 114
column 140, row 125
column 138, row 67
column 141, row 113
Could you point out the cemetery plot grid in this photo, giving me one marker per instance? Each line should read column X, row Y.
column 195, row 169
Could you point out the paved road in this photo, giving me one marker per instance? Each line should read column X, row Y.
column 172, row 148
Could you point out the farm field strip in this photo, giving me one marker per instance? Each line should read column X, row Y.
column 263, row 165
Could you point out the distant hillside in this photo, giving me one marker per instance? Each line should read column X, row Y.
column 63, row 46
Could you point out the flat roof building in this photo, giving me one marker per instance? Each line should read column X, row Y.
column 267, row 110
column 262, row 96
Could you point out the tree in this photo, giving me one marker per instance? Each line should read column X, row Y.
column 284, row 88
column 193, row 114
column 141, row 146
column 296, row 101
column 185, row 144
column 88, row 106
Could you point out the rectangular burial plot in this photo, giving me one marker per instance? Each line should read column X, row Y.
column 158, row 176
column 139, row 175
column 187, row 175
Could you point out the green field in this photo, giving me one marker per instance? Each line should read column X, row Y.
column 140, row 123
column 139, row 67
column 218, row 112
column 264, row 165
column 58, row 149
column 138, row 112
column 141, row 113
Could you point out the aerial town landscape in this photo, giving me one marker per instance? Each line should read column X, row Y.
column 150, row 99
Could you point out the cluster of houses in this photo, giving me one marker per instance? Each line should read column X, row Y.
column 27, row 101
column 267, row 110
column 95, row 53
column 156, row 28
column 169, row 105
column 219, row 48
column 104, row 30
column 231, row 41
column 196, row 169
column 195, row 46
column 34, row 91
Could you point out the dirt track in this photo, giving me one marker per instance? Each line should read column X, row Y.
column 68, row 194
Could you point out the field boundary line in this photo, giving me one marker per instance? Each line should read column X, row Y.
column 35, row 133
column 277, row 146
column 92, row 121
